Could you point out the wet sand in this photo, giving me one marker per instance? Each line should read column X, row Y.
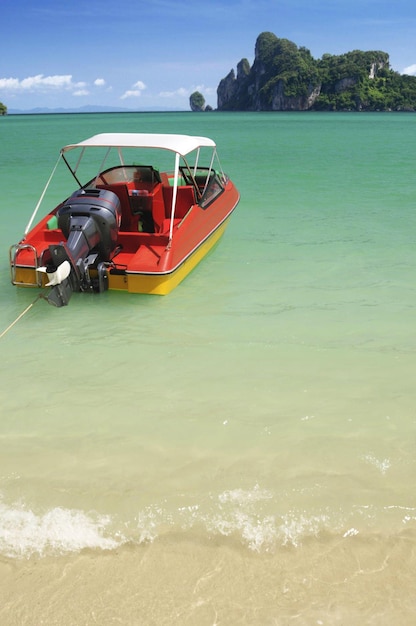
column 189, row 581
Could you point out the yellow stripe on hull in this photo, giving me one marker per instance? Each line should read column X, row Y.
column 162, row 284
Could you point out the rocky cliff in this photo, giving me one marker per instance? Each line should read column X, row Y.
column 285, row 77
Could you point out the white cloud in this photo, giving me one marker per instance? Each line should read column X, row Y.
column 9, row 84
column 130, row 94
column 99, row 82
column 135, row 92
column 410, row 70
column 207, row 91
column 40, row 83
column 182, row 92
column 81, row 92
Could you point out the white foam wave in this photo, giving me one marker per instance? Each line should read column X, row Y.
column 245, row 496
column 23, row 533
column 297, row 525
column 381, row 464
column 256, row 532
column 252, row 516
column 238, row 512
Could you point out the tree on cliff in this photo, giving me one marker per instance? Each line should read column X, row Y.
column 197, row 101
column 283, row 62
column 280, row 68
column 3, row 109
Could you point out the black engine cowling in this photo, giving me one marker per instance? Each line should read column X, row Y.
column 90, row 221
column 96, row 213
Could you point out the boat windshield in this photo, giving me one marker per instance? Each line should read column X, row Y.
column 214, row 188
column 209, row 183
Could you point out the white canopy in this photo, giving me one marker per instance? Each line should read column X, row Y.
column 180, row 144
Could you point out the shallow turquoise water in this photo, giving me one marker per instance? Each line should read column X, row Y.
column 269, row 398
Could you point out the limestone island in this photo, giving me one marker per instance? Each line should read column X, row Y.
column 285, row 77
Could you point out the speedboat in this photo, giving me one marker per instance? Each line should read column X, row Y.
column 132, row 226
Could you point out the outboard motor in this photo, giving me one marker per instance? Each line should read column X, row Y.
column 90, row 220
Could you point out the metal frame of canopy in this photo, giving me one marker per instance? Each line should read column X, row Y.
column 180, row 145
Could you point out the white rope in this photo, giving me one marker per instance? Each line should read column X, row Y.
column 20, row 316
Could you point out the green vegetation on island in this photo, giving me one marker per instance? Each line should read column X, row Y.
column 197, row 102
column 285, row 77
column 3, row 109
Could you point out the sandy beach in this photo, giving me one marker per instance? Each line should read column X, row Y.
column 182, row 582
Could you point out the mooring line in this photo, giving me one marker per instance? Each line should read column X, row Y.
column 21, row 315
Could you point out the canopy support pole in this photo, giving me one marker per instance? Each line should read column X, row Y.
column 174, row 194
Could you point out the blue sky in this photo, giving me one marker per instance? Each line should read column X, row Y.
column 145, row 55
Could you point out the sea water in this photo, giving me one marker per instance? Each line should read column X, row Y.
column 241, row 451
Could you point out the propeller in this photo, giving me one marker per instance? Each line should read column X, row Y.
column 57, row 277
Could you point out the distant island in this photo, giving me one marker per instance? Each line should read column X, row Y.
column 285, row 77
